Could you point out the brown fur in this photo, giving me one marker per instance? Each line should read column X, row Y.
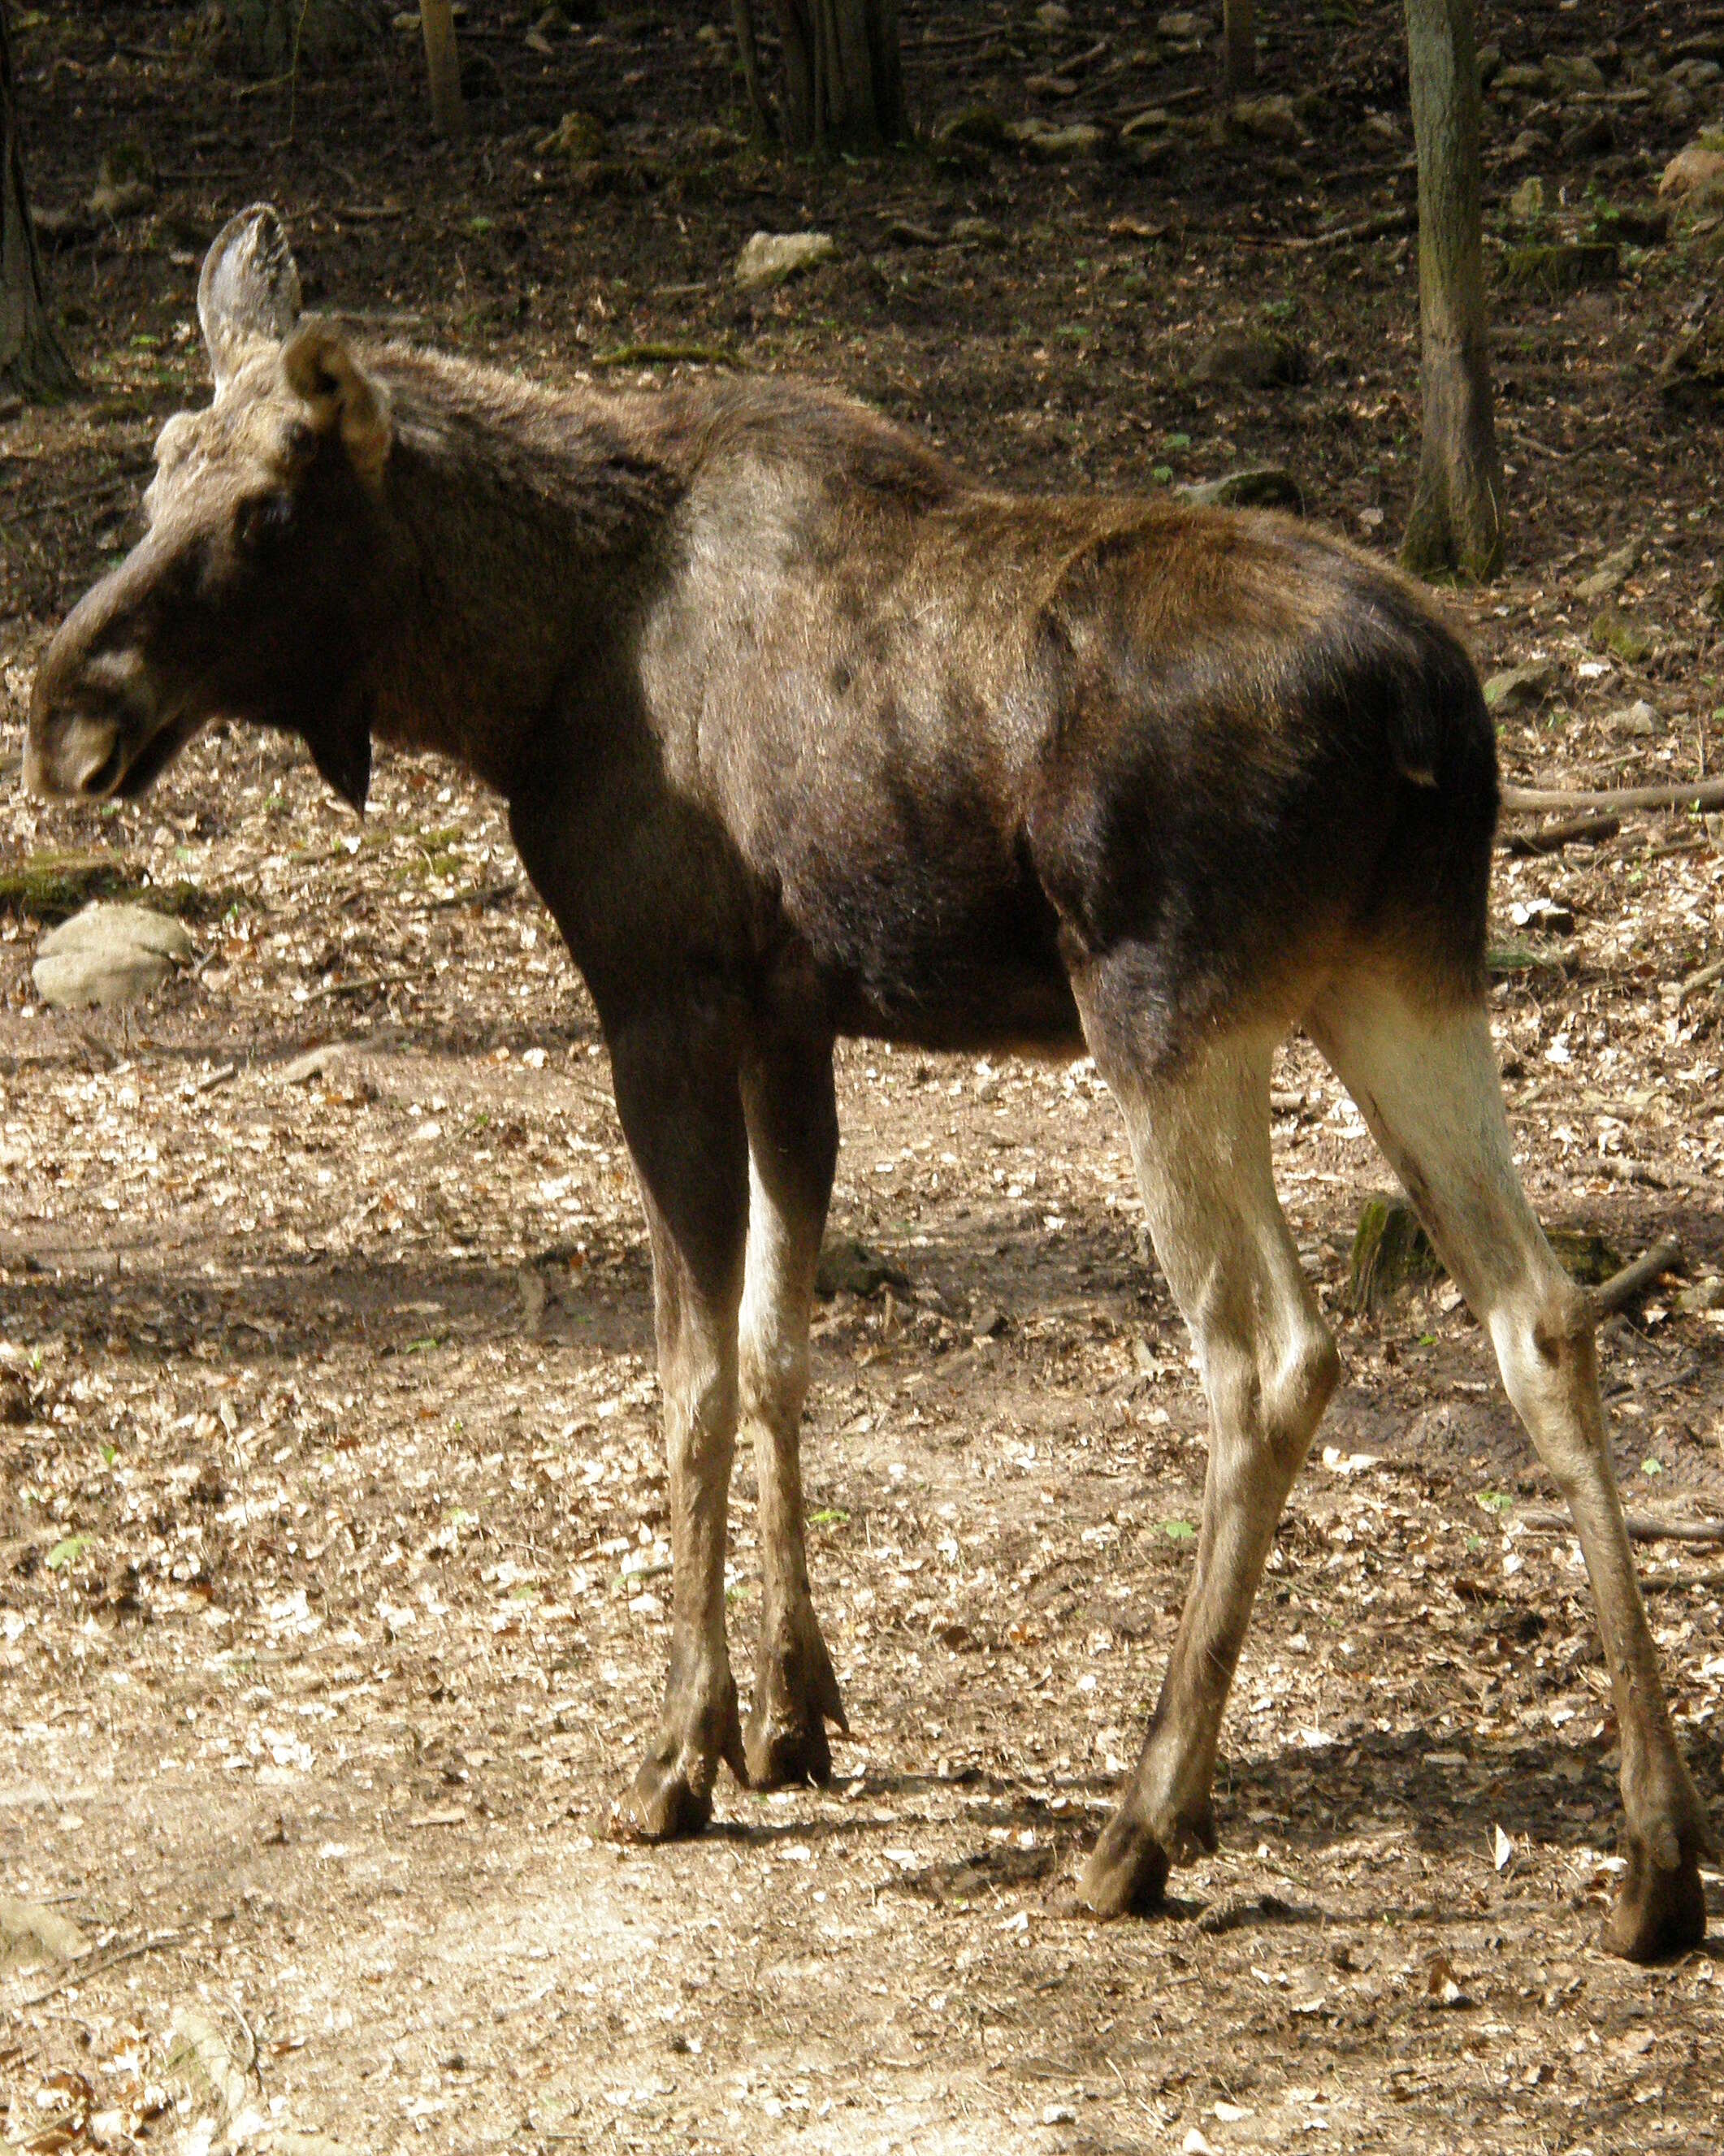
column 801, row 735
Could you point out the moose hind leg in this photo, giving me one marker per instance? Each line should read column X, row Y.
column 1426, row 1081
column 793, row 1148
column 1201, row 1142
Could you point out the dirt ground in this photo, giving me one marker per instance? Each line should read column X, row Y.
column 332, row 1509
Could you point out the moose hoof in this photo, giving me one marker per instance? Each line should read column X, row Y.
column 663, row 1803
column 786, row 1755
column 795, row 1696
column 1661, row 1911
column 1126, row 1873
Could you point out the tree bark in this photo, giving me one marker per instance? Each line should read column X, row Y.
column 748, row 48
column 276, row 36
column 1456, row 523
column 32, row 361
column 436, row 20
column 843, row 86
column 1238, row 33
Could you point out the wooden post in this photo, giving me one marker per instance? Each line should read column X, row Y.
column 443, row 64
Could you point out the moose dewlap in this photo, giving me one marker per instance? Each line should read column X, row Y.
column 803, row 734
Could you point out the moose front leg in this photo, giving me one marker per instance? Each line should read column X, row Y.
column 682, row 1114
column 792, row 1149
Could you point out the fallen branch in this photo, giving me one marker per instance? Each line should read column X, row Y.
column 1552, row 837
column 1622, row 1287
column 1385, row 221
column 1706, row 978
column 1642, row 1526
column 1535, row 800
column 89, row 1966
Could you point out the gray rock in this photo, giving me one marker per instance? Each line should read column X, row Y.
column 1526, row 204
column 1698, row 171
column 108, row 955
column 849, row 1265
column 1526, row 76
column 1612, row 573
column 1266, row 119
column 771, row 257
column 1637, row 720
column 1254, row 359
column 1518, row 688
column 1567, row 73
column 1042, row 139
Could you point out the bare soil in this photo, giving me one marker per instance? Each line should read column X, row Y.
column 332, row 1509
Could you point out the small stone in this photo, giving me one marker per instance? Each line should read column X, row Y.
column 109, row 955
column 1526, row 204
column 1612, row 573
column 988, row 1323
column 1053, row 18
column 849, row 1265
column 1182, row 29
column 1569, row 75
column 1638, row 721
column 979, row 123
column 579, row 136
column 1043, row 140
column 1519, row 688
column 1695, row 72
column 977, row 232
column 1543, row 916
column 771, row 257
column 1696, row 171
column 127, row 183
column 1266, row 119
column 1525, row 76
column 1253, row 359
column 1704, row 1295
column 1692, row 375
column 1612, row 631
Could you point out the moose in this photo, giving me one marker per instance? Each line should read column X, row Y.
column 803, row 734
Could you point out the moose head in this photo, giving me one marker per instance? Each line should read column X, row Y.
column 255, row 589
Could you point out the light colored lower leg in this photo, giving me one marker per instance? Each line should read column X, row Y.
column 1427, row 1083
column 1201, row 1148
column 781, row 1257
column 792, row 1145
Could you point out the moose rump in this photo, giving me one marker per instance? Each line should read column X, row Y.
column 803, row 734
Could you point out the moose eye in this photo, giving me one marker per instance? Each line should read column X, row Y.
column 261, row 518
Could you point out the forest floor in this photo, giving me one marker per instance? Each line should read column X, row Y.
column 332, row 1509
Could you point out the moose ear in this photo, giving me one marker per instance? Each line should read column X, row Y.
column 343, row 397
column 248, row 292
column 340, row 742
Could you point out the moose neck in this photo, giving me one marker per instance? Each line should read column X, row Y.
column 519, row 522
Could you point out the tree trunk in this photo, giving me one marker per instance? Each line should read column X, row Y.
column 277, row 36
column 32, row 361
column 1457, row 519
column 843, row 85
column 748, row 48
column 436, row 20
column 1239, row 30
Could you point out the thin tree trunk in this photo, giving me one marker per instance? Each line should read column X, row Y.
column 843, row 78
column 748, row 48
column 277, row 37
column 436, row 20
column 1239, row 30
column 1457, row 519
column 32, row 361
